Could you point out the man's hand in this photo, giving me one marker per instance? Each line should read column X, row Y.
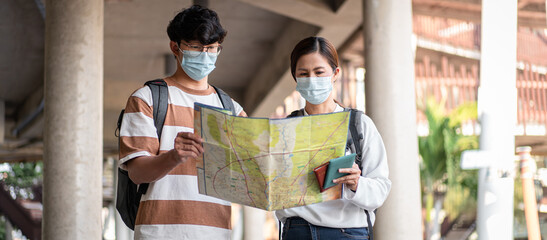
column 187, row 145
column 351, row 180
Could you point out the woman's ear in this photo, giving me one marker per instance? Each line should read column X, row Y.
column 337, row 73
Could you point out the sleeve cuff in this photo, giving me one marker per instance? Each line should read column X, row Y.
column 121, row 162
column 348, row 193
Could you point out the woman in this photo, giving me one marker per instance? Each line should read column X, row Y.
column 314, row 66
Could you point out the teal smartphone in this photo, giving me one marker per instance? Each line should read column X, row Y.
column 335, row 164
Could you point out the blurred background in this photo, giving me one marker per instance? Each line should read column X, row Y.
column 473, row 73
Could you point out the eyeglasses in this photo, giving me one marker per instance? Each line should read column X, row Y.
column 196, row 50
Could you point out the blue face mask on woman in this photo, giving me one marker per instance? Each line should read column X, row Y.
column 315, row 90
column 198, row 67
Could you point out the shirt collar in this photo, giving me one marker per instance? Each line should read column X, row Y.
column 338, row 108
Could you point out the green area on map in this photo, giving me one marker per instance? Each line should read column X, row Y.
column 267, row 163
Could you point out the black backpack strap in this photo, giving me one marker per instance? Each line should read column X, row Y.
column 225, row 100
column 160, row 94
column 296, row 113
column 369, row 223
column 119, row 124
column 354, row 135
column 128, row 194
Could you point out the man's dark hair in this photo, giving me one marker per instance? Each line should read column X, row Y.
column 196, row 23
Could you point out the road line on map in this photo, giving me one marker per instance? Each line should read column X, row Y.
column 253, row 159
column 319, row 150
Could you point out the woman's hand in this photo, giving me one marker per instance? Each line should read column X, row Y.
column 351, row 180
column 187, row 145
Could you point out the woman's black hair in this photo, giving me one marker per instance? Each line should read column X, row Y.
column 311, row 45
column 196, row 23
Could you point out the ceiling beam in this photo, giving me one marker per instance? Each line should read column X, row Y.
column 15, row 157
column 29, row 117
column 311, row 12
column 31, row 126
column 21, row 151
column 276, row 65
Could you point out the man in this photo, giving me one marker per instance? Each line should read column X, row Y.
column 172, row 208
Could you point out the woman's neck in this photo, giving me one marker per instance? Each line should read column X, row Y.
column 327, row 106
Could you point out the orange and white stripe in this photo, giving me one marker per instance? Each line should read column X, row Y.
column 172, row 208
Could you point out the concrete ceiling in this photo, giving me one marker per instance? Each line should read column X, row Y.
column 137, row 48
column 22, row 48
column 253, row 66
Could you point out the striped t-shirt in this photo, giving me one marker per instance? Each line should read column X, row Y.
column 172, row 207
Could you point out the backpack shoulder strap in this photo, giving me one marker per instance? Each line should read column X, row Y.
column 296, row 113
column 354, row 133
column 369, row 224
column 355, row 123
column 160, row 94
column 225, row 99
column 119, row 124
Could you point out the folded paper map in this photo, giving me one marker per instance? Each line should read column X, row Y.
column 267, row 163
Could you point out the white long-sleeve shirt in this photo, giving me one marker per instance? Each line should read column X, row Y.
column 372, row 190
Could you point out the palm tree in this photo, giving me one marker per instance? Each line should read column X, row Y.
column 440, row 171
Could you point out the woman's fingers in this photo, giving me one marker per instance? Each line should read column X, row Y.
column 347, row 179
column 354, row 170
column 349, row 170
column 352, row 179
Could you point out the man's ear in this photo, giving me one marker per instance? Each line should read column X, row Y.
column 174, row 48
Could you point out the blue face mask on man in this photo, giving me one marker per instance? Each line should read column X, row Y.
column 197, row 67
column 315, row 90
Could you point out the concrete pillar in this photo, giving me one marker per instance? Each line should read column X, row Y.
column 2, row 121
column 497, row 113
column 73, row 127
column 253, row 219
column 391, row 103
